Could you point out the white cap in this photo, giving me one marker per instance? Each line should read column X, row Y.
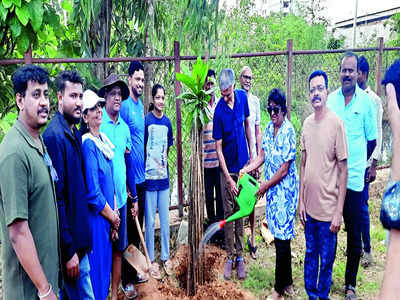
column 90, row 99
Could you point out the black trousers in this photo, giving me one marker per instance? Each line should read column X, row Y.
column 128, row 273
column 283, row 265
column 211, row 184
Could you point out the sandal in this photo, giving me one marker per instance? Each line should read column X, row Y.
column 350, row 296
column 168, row 268
column 252, row 249
column 155, row 271
column 289, row 291
column 129, row 291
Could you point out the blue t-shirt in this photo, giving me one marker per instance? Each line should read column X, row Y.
column 359, row 118
column 133, row 114
column 229, row 126
column 157, row 139
column 119, row 135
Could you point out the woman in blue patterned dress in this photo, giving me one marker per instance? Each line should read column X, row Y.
column 98, row 152
column 281, row 184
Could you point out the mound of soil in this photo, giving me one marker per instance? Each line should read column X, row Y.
column 174, row 287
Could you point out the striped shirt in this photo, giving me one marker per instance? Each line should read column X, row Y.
column 209, row 147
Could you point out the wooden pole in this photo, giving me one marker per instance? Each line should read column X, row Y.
column 289, row 75
column 379, row 66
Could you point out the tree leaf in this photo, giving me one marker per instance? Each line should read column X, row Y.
column 3, row 13
column 67, row 5
column 15, row 27
column 187, row 80
column 36, row 14
column 7, row 3
column 22, row 14
column 17, row 3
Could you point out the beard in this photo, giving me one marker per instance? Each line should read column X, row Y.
column 134, row 91
column 71, row 119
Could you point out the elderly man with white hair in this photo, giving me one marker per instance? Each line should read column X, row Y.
column 230, row 131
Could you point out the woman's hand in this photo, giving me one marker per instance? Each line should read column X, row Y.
column 115, row 221
column 243, row 171
column 262, row 189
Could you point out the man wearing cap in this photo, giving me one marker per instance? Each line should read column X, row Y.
column 64, row 144
column 245, row 79
column 230, row 129
column 114, row 91
column 132, row 112
column 28, row 209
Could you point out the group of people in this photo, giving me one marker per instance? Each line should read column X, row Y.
column 69, row 197
column 340, row 145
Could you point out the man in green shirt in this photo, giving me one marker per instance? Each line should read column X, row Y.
column 28, row 211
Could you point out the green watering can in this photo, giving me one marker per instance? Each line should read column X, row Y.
column 246, row 198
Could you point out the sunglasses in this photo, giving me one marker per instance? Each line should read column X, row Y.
column 98, row 105
column 275, row 109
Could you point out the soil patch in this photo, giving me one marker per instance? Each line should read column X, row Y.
column 174, row 287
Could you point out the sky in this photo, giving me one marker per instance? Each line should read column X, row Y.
column 339, row 10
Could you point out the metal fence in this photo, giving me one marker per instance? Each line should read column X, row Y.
column 286, row 69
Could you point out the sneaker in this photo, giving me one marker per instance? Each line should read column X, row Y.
column 129, row 291
column 367, row 260
column 228, row 269
column 241, row 272
column 168, row 267
column 141, row 278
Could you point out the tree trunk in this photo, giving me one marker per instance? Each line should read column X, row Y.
column 149, row 51
column 101, row 34
column 195, row 273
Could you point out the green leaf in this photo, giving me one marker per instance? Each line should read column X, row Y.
column 3, row 13
column 187, row 96
column 15, row 27
column 187, row 80
column 67, row 5
column 22, row 14
column 7, row 3
column 23, row 42
column 17, row 3
column 36, row 14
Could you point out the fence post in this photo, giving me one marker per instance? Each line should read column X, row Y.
column 289, row 76
column 177, row 59
column 28, row 56
column 379, row 66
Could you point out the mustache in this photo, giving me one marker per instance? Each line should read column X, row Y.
column 346, row 78
column 315, row 98
column 43, row 110
column 78, row 109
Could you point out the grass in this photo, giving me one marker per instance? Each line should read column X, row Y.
column 260, row 272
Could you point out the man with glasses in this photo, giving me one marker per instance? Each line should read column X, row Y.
column 323, row 179
column 230, row 129
column 358, row 113
column 245, row 79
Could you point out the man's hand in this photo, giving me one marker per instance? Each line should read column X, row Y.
column 135, row 209
column 302, row 213
column 371, row 175
column 336, row 222
column 232, row 185
column 262, row 189
column 73, row 267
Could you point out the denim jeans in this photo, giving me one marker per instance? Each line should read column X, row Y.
column 320, row 255
column 365, row 225
column 352, row 220
column 81, row 289
column 158, row 199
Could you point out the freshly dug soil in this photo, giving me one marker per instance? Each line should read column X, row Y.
column 174, row 287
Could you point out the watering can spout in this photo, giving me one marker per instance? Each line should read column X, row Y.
column 246, row 198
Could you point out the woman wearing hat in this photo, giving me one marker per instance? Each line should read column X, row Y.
column 98, row 152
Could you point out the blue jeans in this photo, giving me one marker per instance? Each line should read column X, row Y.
column 82, row 288
column 160, row 199
column 365, row 217
column 352, row 214
column 320, row 255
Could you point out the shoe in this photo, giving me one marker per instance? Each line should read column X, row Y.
column 168, row 267
column 252, row 249
column 228, row 269
column 241, row 272
column 289, row 291
column 141, row 279
column 367, row 260
column 350, row 293
column 275, row 296
column 129, row 291
column 155, row 271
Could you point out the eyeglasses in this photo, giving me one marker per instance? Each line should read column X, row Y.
column 319, row 88
column 245, row 77
column 275, row 109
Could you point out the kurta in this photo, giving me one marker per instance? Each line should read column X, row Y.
column 101, row 190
